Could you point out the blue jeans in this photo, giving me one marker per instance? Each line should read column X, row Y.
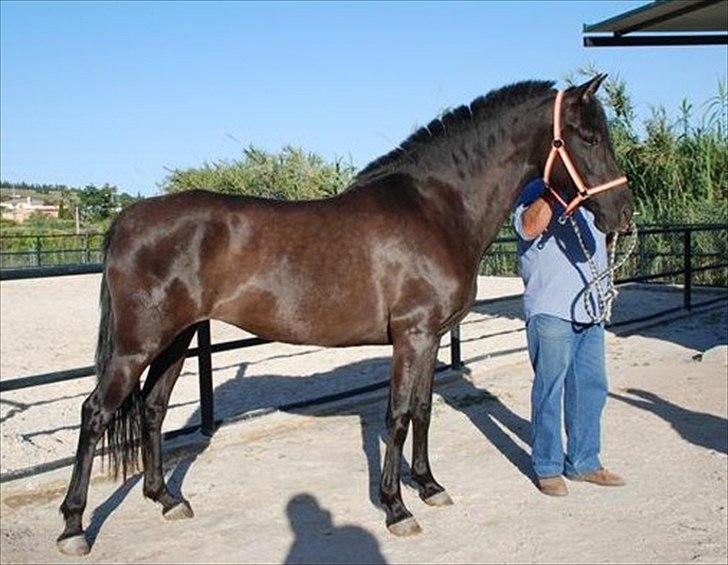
column 568, row 362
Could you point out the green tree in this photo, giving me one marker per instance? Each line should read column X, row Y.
column 292, row 174
column 97, row 204
column 67, row 202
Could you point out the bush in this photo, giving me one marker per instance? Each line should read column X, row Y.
column 678, row 169
column 289, row 175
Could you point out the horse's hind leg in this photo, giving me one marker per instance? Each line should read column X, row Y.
column 414, row 351
column 96, row 413
column 158, row 387
column 430, row 490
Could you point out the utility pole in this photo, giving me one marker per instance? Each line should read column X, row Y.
column 78, row 226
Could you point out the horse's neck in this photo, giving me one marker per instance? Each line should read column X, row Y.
column 510, row 154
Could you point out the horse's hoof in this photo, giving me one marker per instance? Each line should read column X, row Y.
column 406, row 527
column 439, row 499
column 74, row 545
column 180, row 511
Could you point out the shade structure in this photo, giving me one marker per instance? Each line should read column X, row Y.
column 663, row 22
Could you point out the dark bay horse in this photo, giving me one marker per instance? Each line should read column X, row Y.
column 391, row 260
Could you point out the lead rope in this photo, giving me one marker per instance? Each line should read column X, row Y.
column 605, row 298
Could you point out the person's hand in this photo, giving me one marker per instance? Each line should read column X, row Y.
column 536, row 217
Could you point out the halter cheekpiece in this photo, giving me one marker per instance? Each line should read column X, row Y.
column 602, row 310
column 558, row 148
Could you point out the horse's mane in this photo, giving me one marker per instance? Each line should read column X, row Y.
column 454, row 124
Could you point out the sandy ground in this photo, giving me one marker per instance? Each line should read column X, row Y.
column 301, row 485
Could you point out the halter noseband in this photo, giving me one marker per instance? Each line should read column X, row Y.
column 558, row 148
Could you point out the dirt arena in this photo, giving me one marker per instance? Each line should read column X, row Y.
column 300, row 487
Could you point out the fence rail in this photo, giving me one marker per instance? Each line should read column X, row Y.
column 205, row 348
column 49, row 250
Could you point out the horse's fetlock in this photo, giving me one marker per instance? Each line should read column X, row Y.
column 71, row 506
column 153, row 492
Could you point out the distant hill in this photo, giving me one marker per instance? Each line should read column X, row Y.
column 6, row 185
column 50, row 194
column 57, row 194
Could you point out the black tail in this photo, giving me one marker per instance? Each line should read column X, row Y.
column 124, row 432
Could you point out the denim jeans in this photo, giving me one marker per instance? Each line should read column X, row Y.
column 568, row 362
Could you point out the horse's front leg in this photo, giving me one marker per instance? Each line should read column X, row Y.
column 413, row 360
column 430, row 490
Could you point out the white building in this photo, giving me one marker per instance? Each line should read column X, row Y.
column 20, row 209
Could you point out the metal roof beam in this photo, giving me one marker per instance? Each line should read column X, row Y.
column 653, row 40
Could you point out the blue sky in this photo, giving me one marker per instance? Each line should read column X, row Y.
column 120, row 92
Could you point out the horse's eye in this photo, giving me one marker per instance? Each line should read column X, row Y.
column 591, row 140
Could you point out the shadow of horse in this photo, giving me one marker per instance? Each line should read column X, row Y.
column 101, row 513
column 249, row 393
column 489, row 415
column 244, row 394
column 698, row 428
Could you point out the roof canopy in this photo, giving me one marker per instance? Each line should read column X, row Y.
column 657, row 23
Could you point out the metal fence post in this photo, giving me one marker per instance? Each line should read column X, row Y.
column 87, row 251
column 37, row 251
column 688, row 267
column 455, row 359
column 204, row 363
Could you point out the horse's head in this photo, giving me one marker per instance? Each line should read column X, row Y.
column 585, row 133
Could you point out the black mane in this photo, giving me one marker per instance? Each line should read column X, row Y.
column 455, row 123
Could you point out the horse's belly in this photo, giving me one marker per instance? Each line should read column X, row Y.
column 318, row 317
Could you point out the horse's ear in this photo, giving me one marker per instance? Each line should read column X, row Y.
column 586, row 91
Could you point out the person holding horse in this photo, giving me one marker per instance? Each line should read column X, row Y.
column 565, row 345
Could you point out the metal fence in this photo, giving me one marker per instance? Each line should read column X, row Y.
column 50, row 250
column 661, row 249
column 36, row 255
column 684, row 236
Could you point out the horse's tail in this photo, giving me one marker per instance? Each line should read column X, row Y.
column 124, row 431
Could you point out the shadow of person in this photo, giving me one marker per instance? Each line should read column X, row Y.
column 318, row 540
column 699, row 428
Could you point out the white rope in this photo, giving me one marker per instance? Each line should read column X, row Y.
column 604, row 297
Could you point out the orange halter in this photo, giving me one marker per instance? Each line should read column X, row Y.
column 558, row 148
